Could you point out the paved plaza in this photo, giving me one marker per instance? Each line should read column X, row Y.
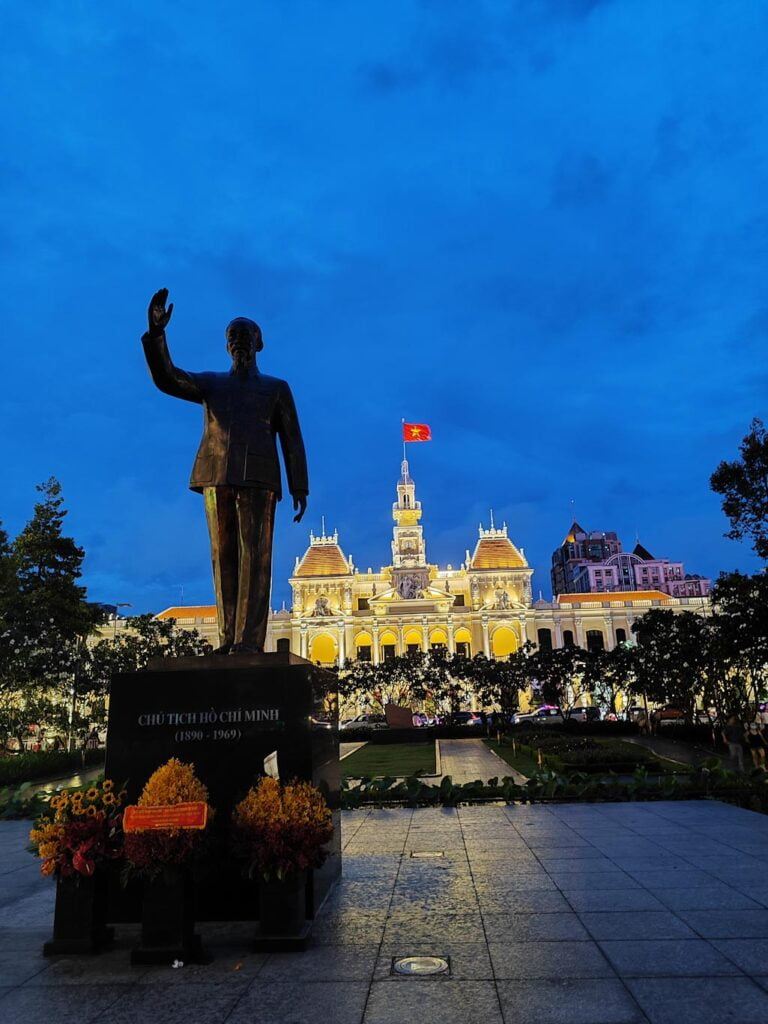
column 569, row 914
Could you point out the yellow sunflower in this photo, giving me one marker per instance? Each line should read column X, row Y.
column 108, row 798
column 91, row 811
column 78, row 809
column 107, row 785
column 92, row 793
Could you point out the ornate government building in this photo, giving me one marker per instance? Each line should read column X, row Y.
column 483, row 606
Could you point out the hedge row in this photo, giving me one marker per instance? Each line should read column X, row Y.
column 44, row 764
column 709, row 781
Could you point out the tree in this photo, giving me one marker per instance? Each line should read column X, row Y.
column 45, row 622
column 744, row 486
column 143, row 638
column 498, row 683
column 610, row 673
column 409, row 680
column 675, row 657
column 559, row 672
column 741, row 618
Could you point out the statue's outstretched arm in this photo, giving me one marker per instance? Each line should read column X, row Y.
column 167, row 377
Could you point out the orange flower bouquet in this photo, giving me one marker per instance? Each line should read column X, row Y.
column 149, row 852
column 83, row 833
column 281, row 830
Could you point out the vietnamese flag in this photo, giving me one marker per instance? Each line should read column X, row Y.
column 416, row 432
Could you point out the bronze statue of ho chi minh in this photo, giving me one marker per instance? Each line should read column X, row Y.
column 237, row 469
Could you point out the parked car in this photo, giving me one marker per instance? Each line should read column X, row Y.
column 466, row 718
column 588, row 714
column 547, row 714
column 365, row 721
column 669, row 714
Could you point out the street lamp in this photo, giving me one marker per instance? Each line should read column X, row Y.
column 120, row 604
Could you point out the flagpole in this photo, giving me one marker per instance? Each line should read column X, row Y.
column 402, row 431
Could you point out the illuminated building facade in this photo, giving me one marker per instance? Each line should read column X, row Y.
column 484, row 606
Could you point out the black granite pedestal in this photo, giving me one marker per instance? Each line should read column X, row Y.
column 227, row 715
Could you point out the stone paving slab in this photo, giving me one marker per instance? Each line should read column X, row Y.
column 470, row 759
column 546, row 914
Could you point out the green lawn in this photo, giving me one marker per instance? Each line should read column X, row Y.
column 398, row 759
column 524, row 764
column 527, row 765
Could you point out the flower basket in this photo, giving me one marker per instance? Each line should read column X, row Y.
column 76, row 844
column 279, row 833
column 164, row 859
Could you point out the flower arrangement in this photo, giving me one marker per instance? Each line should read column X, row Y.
column 149, row 852
column 280, row 830
column 83, row 833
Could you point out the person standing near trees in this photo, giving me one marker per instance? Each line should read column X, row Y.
column 733, row 735
column 755, row 740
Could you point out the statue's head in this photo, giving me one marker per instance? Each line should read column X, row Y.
column 243, row 340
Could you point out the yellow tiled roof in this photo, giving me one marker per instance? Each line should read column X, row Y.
column 323, row 560
column 613, row 596
column 192, row 611
column 497, row 553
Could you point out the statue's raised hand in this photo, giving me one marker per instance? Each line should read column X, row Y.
column 158, row 315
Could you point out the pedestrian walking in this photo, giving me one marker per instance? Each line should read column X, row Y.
column 733, row 735
column 755, row 741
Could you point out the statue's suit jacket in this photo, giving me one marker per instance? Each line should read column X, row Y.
column 243, row 416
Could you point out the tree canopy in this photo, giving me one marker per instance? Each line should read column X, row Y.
column 743, row 484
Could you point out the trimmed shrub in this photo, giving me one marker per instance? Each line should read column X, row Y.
column 44, row 764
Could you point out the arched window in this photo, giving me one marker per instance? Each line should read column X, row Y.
column 388, row 645
column 463, row 642
column 503, row 642
column 363, row 647
column 545, row 639
column 438, row 641
column 283, row 644
column 568, row 638
column 595, row 640
column 621, row 636
column 323, row 649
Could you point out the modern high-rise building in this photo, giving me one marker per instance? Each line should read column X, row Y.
column 588, row 563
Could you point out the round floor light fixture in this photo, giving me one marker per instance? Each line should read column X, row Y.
column 414, row 966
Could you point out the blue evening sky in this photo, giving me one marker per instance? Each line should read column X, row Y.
column 539, row 226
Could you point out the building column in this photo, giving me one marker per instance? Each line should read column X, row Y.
column 558, row 633
column 451, row 642
column 400, row 641
column 303, row 640
column 424, row 634
column 486, row 639
column 376, row 652
column 342, row 645
column 579, row 623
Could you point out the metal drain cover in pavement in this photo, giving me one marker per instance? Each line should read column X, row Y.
column 415, row 965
